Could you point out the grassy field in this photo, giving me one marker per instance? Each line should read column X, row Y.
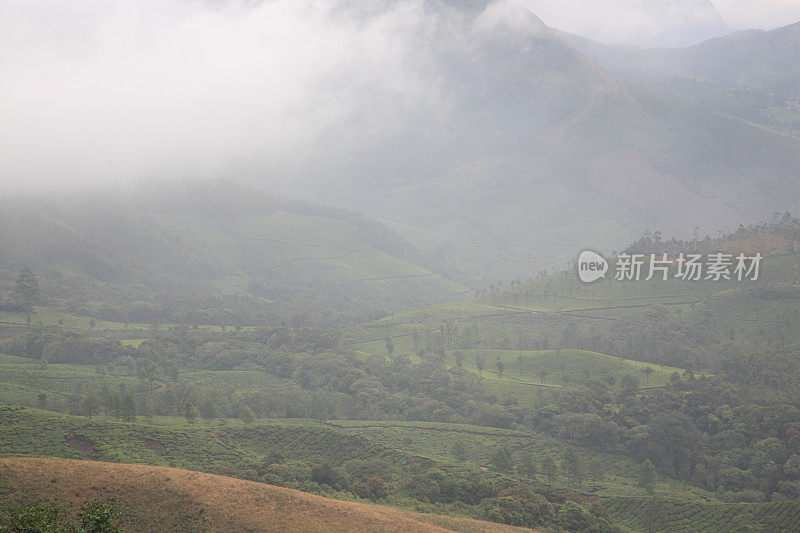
column 523, row 328
column 46, row 316
column 220, row 447
column 513, row 321
column 679, row 516
column 553, row 368
column 435, row 440
column 232, row 447
column 306, row 249
column 131, row 333
column 23, row 380
column 168, row 499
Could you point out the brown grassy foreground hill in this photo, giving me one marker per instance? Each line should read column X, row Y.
column 168, row 499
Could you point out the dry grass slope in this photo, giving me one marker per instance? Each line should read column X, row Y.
column 169, row 499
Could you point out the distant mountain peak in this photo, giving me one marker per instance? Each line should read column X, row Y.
column 647, row 23
column 513, row 16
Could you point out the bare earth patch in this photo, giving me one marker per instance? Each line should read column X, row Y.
column 82, row 444
column 154, row 445
column 170, row 499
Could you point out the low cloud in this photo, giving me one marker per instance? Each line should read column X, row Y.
column 763, row 15
column 108, row 92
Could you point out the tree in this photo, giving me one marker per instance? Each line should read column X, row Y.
column 99, row 517
column 595, row 471
column 580, row 471
column 207, row 409
column 105, row 394
column 480, row 362
column 247, row 415
column 501, row 459
column 115, row 404
column 572, row 466
column 147, row 412
column 500, row 367
column 171, row 369
column 647, row 476
column 41, row 401
column 128, row 408
column 389, row 346
column 674, row 441
column 527, row 465
column 549, row 468
column 459, row 451
column 190, row 412
column 28, row 288
column 40, row 517
column 90, row 405
column 629, row 382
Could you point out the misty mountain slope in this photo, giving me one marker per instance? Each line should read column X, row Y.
column 186, row 243
column 749, row 74
column 472, row 120
column 548, row 153
column 754, row 58
column 640, row 22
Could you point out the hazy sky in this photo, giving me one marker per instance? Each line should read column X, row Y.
column 761, row 14
column 663, row 22
column 93, row 91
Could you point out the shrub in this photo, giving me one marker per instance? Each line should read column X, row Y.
column 99, row 517
column 519, row 506
column 746, row 495
column 42, row 517
column 374, row 488
column 45, row 517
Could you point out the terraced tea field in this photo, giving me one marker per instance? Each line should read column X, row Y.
column 682, row 516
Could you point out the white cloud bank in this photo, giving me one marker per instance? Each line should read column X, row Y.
column 94, row 91
column 762, row 15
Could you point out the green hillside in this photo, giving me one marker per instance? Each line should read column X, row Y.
column 215, row 254
column 750, row 75
column 240, row 450
column 530, row 398
column 550, row 150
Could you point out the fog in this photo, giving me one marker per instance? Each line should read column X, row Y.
column 96, row 92
column 745, row 14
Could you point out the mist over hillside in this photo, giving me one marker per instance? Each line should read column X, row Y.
column 747, row 73
column 544, row 138
column 214, row 253
column 475, row 128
